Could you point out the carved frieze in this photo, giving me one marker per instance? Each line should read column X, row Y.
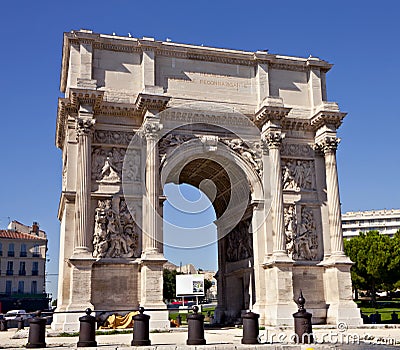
column 252, row 155
column 301, row 235
column 115, row 231
column 111, row 137
column 298, row 174
column 297, row 150
column 239, row 242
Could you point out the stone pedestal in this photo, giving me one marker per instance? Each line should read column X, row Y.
column 80, row 295
column 338, row 295
column 151, row 273
column 279, row 294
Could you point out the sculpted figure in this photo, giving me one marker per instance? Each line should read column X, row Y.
column 297, row 175
column 250, row 155
column 290, row 231
column 115, row 233
column 305, row 243
column 108, row 172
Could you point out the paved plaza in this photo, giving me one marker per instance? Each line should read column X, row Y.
column 378, row 337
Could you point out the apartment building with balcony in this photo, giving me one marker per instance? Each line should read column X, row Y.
column 22, row 267
column 386, row 221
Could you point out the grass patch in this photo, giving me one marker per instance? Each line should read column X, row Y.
column 115, row 331
column 386, row 313
column 174, row 314
column 65, row 334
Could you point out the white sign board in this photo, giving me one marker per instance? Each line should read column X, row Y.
column 187, row 285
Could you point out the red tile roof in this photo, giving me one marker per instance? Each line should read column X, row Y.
column 10, row 234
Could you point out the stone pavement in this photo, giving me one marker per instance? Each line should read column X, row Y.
column 378, row 337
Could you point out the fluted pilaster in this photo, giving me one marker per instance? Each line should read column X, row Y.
column 84, row 130
column 274, row 142
column 150, row 132
column 328, row 146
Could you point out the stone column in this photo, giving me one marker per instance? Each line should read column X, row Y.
column 337, row 278
column 329, row 145
column 152, row 260
column 150, row 132
column 84, row 130
column 274, row 141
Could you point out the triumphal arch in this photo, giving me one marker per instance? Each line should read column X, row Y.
column 253, row 130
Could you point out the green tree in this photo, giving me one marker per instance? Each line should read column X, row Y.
column 376, row 261
column 169, row 284
column 207, row 285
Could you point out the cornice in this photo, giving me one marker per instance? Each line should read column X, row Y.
column 148, row 101
column 60, row 124
column 327, row 114
column 118, row 110
column 90, row 97
column 296, row 124
column 273, row 110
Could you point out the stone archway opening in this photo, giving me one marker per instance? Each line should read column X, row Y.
column 227, row 189
column 190, row 234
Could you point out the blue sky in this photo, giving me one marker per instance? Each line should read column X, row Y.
column 360, row 37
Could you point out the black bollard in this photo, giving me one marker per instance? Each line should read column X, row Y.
column 141, row 329
column 3, row 325
column 37, row 332
column 87, row 330
column 250, row 328
column 378, row 317
column 195, row 328
column 21, row 322
column 395, row 317
column 179, row 320
column 302, row 322
column 365, row 318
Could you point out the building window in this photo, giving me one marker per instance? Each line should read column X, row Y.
column 11, row 249
column 35, row 268
column 34, row 287
column 35, row 253
column 22, row 253
column 22, row 271
column 20, row 287
column 1, row 249
column 10, row 268
column 8, row 287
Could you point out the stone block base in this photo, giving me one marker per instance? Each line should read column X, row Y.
column 346, row 312
column 158, row 320
column 66, row 322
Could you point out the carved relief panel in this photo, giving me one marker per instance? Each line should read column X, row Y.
column 107, row 165
column 116, row 234
column 301, row 232
column 298, row 174
column 239, row 242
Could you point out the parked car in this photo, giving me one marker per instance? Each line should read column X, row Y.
column 15, row 314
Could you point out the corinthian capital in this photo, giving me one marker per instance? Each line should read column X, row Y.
column 327, row 144
column 85, row 126
column 274, row 139
column 150, row 129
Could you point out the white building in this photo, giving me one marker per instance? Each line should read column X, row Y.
column 385, row 221
column 22, row 267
